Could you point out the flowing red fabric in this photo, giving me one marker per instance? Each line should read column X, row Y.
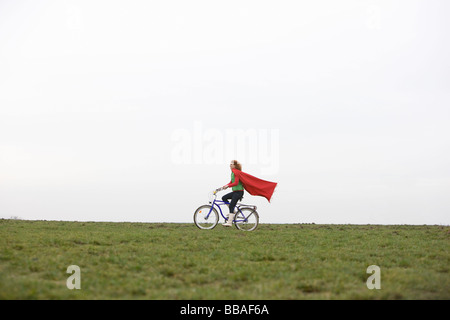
column 256, row 186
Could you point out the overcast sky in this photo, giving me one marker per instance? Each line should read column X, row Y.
column 132, row 110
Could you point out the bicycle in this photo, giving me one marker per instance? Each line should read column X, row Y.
column 206, row 217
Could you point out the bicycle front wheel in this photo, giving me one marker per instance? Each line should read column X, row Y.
column 206, row 217
column 246, row 219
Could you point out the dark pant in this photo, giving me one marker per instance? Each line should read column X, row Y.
column 234, row 196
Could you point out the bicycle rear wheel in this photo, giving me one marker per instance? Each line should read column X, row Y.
column 206, row 217
column 247, row 219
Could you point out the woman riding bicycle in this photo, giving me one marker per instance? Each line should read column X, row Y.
column 236, row 195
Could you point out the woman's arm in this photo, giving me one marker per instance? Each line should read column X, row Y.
column 231, row 184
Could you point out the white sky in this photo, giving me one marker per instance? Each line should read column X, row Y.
column 351, row 98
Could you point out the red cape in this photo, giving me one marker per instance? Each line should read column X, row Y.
column 256, row 186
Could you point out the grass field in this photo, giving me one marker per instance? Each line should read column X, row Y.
column 179, row 261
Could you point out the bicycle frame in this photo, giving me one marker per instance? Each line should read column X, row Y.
column 219, row 203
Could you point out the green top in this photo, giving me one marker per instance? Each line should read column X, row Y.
column 239, row 187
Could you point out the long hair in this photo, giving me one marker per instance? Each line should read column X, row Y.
column 237, row 165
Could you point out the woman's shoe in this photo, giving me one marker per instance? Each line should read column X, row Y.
column 229, row 222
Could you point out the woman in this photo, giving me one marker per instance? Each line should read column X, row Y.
column 236, row 195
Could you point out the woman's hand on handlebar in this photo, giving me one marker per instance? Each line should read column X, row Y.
column 221, row 188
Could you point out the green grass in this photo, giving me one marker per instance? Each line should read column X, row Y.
column 179, row 261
